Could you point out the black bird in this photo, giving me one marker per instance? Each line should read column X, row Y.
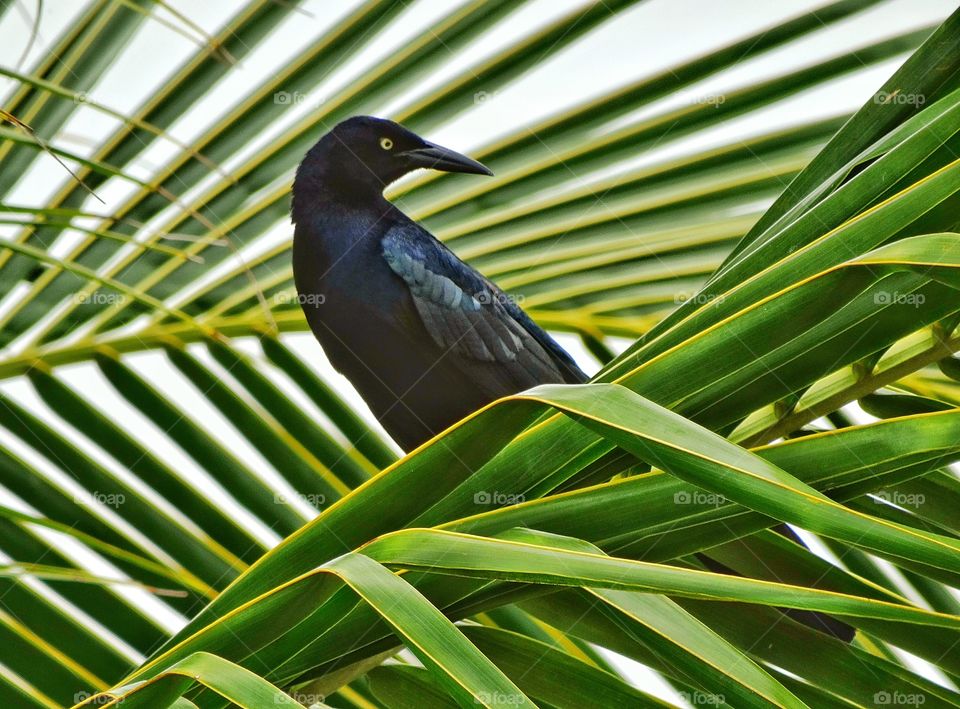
column 423, row 337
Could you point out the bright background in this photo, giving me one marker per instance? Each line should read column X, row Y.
column 611, row 55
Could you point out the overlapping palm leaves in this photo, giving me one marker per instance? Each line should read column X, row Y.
column 549, row 524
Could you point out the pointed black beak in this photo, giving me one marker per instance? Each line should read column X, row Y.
column 435, row 157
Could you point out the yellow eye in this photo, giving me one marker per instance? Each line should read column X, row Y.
column 386, row 143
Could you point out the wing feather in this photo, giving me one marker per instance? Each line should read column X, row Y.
column 467, row 314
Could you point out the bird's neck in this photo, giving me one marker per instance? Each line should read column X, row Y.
column 332, row 222
column 319, row 186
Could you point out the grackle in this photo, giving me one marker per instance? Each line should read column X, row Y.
column 423, row 337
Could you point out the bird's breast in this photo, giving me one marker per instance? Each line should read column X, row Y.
column 348, row 293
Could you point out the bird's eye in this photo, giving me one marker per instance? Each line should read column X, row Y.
column 386, row 143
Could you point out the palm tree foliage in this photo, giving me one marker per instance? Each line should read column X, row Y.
column 199, row 517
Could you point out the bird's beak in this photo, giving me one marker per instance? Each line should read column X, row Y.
column 435, row 157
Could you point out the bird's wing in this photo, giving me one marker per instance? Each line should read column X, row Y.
column 467, row 314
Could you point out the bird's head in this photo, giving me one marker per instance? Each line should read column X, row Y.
column 365, row 153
